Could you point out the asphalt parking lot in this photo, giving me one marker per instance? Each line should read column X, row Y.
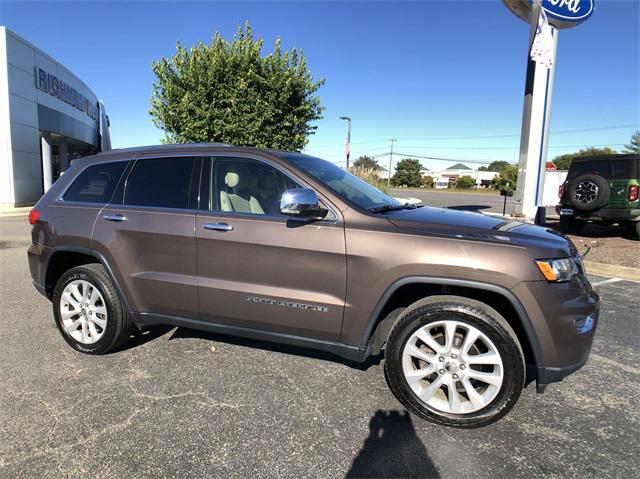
column 481, row 202
column 176, row 402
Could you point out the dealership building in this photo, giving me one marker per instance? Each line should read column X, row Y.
column 48, row 118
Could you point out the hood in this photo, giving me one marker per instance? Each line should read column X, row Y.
column 478, row 226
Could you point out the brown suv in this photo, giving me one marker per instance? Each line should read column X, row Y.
column 285, row 247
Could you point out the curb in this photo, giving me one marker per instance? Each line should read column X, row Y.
column 613, row 271
column 15, row 212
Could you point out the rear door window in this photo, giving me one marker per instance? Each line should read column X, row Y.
column 160, row 182
column 96, row 184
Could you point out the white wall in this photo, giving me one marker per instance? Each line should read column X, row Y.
column 552, row 182
column 20, row 162
column 6, row 167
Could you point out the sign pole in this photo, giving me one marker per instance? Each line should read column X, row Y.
column 535, row 129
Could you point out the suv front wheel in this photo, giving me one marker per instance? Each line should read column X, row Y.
column 88, row 310
column 454, row 361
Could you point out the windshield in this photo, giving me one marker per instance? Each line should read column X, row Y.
column 349, row 187
column 624, row 168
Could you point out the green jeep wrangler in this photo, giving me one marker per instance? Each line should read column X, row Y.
column 601, row 188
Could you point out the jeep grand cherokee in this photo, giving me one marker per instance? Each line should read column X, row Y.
column 285, row 247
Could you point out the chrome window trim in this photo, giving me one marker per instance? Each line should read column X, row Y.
column 149, row 209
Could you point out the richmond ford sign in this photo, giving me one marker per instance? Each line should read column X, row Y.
column 560, row 13
column 51, row 84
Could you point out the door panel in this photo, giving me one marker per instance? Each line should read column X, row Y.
column 153, row 253
column 271, row 275
column 152, row 248
column 261, row 270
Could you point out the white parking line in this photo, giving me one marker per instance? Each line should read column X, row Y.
column 611, row 362
column 607, row 281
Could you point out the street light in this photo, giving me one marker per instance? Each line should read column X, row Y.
column 347, row 148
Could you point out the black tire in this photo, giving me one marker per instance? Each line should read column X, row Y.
column 119, row 326
column 569, row 225
column 582, row 202
column 637, row 229
column 482, row 317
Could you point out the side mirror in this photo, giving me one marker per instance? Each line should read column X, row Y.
column 302, row 203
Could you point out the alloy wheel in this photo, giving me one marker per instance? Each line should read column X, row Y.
column 452, row 367
column 586, row 192
column 83, row 312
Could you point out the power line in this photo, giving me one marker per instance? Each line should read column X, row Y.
column 437, row 158
column 558, row 132
column 503, row 147
column 507, row 135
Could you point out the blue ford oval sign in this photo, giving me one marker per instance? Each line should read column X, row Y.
column 560, row 13
column 568, row 10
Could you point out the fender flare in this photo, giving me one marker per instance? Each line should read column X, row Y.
column 89, row 252
column 506, row 293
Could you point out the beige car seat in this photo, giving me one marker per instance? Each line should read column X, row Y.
column 237, row 200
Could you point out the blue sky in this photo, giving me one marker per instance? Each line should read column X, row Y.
column 445, row 78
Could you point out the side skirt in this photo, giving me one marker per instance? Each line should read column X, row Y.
column 352, row 353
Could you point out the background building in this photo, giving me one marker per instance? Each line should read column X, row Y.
column 445, row 178
column 48, row 118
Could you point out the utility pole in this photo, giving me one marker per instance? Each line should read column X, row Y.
column 347, row 148
column 392, row 140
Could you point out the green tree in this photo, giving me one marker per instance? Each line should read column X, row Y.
column 507, row 179
column 483, row 168
column 427, row 181
column 371, row 176
column 634, row 144
column 466, row 182
column 408, row 173
column 229, row 92
column 497, row 165
column 366, row 163
column 563, row 162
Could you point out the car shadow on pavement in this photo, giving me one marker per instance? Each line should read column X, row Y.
column 181, row 333
column 597, row 230
column 392, row 449
column 141, row 337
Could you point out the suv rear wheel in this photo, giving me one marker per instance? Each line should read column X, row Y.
column 88, row 310
column 455, row 362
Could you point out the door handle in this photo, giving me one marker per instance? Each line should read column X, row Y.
column 117, row 218
column 217, row 226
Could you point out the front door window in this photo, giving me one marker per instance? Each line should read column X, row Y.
column 247, row 186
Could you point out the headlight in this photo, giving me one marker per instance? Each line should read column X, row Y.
column 557, row 270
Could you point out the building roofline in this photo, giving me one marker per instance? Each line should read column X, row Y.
column 45, row 54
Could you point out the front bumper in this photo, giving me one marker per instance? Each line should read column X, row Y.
column 547, row 376
column 565, row 318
